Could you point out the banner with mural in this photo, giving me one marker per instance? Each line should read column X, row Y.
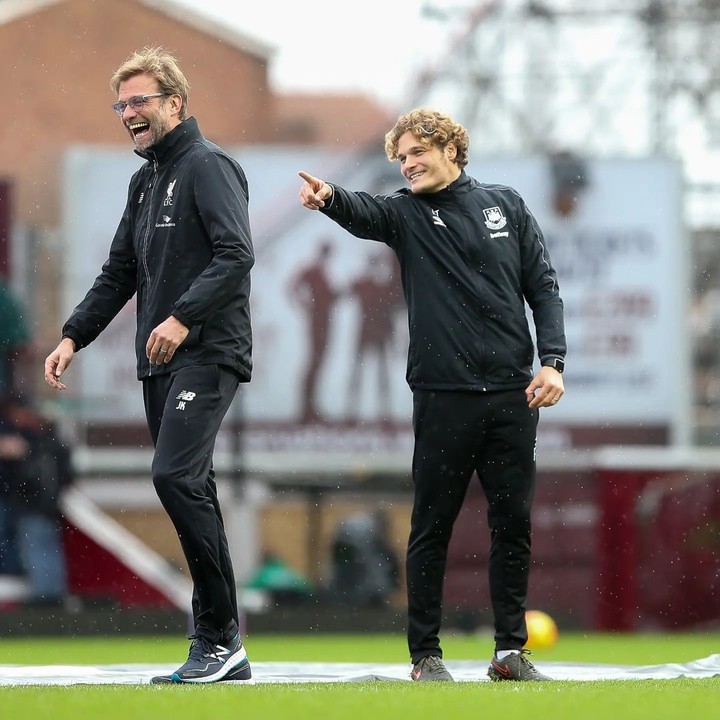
column 329, row 322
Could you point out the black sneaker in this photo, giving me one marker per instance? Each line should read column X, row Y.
column 514, row 667
column 242, row 673
column 210, row 662
column 430, row 667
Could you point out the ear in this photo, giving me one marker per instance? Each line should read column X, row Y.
column 451, row 151
column 176, row 103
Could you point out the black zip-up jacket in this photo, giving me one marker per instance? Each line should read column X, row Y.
column 184, row 245
column 470, row 256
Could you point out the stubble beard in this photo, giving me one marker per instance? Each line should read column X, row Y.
column 158, row 130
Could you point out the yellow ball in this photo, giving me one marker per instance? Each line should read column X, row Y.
column 542, row 630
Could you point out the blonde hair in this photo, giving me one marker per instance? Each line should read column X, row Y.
column 430, row 127
column 159, row 64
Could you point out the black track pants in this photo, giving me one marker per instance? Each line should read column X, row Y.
column 457, row 433
column 184, row 410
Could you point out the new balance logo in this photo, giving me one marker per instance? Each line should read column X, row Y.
column 222, row 651
column 185, row 396
column 437, row 220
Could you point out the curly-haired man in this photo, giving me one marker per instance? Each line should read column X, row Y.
column 471, row 256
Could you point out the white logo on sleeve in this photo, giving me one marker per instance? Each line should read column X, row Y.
column 185, row 396
column 494, row 218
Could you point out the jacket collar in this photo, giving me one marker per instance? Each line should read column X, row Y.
column 180, row 137
column 459, row 184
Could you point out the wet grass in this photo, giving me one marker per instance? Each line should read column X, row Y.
column 641, row 699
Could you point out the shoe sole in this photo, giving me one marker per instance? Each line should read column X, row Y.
column 168, row 679
column 496, row 677
column 240, row 673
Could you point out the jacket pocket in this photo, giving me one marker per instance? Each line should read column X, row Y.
column 194, row 337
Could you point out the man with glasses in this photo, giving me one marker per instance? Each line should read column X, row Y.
column 183, row 246
column 471, row 257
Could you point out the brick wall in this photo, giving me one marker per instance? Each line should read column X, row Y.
column 57, row 65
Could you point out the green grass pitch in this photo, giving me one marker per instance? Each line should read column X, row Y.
column 627, row 699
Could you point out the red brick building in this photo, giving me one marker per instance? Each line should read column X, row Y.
column 58, row 57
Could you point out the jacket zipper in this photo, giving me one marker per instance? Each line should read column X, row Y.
column 146, row 239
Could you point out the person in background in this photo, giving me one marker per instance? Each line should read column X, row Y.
column 471, row 257
column 184, row 247
column 14, row 336
column 35, row 469
column 14, row 345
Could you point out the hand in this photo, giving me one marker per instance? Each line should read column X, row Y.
column 314, row 192
column 164, row 340
column 57, row 362
column 546, row 389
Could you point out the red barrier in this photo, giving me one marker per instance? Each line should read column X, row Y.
column 95, row 574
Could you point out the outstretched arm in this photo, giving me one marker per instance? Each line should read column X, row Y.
column 314, row 191
column 374, row 217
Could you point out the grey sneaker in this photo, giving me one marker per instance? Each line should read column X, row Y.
column 211, row 662
column 430, row 667
column 514, row 667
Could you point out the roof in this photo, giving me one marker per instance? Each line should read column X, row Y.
column 15, row 9
column 332, row 118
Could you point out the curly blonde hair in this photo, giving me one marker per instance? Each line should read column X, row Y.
column 159, row 64
column 431, row 128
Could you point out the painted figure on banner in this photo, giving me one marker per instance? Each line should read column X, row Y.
column 312, row 290
column 378, row 294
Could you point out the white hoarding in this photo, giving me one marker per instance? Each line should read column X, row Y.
column 330, row 332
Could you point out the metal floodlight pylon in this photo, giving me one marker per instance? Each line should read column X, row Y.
column 608, row 78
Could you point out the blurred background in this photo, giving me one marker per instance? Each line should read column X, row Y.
column 605, row 116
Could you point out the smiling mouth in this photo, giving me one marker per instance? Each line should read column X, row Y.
column 138, row 128
column 415, row 176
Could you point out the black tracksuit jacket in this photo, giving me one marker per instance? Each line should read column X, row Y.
column 470, row 256
column 184, row 245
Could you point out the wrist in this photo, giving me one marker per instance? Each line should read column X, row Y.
column 557, row 363
column 328, row 199
column 70, row 341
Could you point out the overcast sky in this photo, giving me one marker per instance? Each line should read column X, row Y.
column 374, row 46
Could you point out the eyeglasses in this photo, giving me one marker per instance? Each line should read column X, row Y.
column 136, row 103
